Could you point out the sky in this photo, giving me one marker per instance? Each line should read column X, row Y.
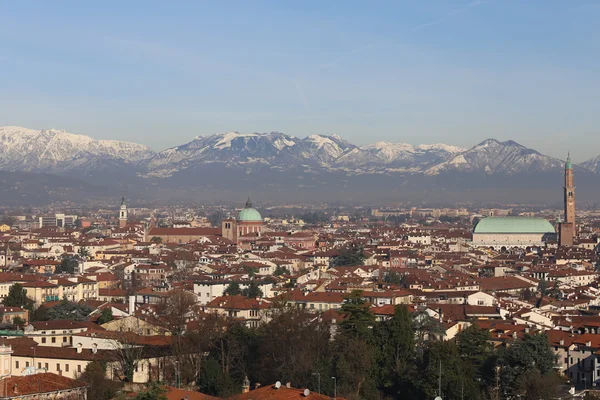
column 420, row 71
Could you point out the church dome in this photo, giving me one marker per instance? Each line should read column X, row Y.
column 249, row 214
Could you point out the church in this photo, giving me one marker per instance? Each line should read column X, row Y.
column 502, row 233
column 247, row 227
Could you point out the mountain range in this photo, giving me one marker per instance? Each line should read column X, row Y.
column 276, row 165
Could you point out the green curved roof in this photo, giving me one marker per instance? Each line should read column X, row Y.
column 249, row 215
column 514, row 225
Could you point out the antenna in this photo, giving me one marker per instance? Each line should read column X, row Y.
column 277, row 385
column 306, row 392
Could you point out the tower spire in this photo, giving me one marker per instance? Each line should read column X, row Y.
column 248, row 203
column 569, row 164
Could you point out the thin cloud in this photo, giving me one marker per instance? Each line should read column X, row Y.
column 346, row 55
column 450, row 14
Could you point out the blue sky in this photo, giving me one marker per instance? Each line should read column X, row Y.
column 160, row 73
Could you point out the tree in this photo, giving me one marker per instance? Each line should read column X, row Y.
column 178, row 308
column 279, row 270
column 349, row 257
column 101, row 388
column 67, row 265
column 358, row 319
column 396, row 342
column 456, row 377
column 473, row 344
column 233, row 289
column 213, row 381
column 68, row 310
column 17, row 296
column 532, row 353
column 18, row 321
column 292, row 346
column 154, row 392
column 106, row 316
column 156, row 239
column 252, row 291
column 83, row 252
column 426, row 329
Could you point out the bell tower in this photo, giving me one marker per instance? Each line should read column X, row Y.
column 123, row 214
column 569, row 193
column 568, row 228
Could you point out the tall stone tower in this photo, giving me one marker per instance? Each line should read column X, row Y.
column 568, row 228
column 123, row 214
column 569, row 193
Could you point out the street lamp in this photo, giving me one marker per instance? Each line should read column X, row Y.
column 318, row 375
column 334, row 387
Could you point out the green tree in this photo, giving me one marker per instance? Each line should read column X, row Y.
column 442, row 358
column 156, row 239
column 213, row 381
column 17, row 297
column 83, row 252
column 252, row 291
column 67, row 265
column 349, row 257
column 396, row 342
column 106, row 316
column 359, row 320
column 154, row 391
column 233, row 289
column 279, row 270
column 474, row 345
column 532, row 353
column 68, row 310
column 18, row 321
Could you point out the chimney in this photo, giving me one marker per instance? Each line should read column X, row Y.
column 79, row 348
column 288, row 385
column 562, row 342
column 131, row 304
column 246, row 385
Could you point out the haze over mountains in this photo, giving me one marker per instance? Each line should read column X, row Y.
column 276, row 166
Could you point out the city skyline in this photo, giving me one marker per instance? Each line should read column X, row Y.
column 448, row 72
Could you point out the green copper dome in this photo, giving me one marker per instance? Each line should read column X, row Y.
column 249, row 214
column 514, row 225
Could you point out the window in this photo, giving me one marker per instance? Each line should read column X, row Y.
column 67, row 367
column 46, row 366
column 57, row 367
column 53, row 339
column 43, row 340
column 39, row 365
column 64, row 339
column 78, row 368
column 16, row 364
column 26, row 364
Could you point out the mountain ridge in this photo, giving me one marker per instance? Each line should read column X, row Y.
column 279, row 164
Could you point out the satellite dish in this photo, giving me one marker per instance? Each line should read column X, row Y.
column 438, row 398
column 277, row 385
column 306, row 392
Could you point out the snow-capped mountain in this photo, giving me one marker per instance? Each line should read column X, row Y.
column 57, row 151
column 494, row 157
column 592, row 165
column 397, row 155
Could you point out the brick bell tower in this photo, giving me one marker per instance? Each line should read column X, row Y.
column 568, row 228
